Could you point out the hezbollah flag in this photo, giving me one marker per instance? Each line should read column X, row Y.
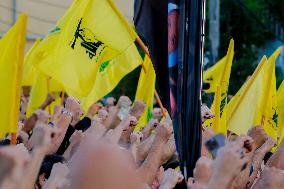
column 145, row 91
column 252, row 106
column 12, row 47
column 219, row 74
column 42, row 85
column 229, row 108
column 280, row 105
column 223, row 71
column 270, row 115
column 247, row 111
column 87, row 44
column 216, row 120
column 29, row 72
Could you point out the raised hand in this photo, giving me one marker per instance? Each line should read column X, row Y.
column 231, row 159
column 206, row 113
column 153, row 123
column 271, row 177
column 137, row 109
column 171, row 178
column 93, row 109
column 164, row 132
column 43, row 138
column 258, row 134
column 124, row 101
column 42, row 116
column 75, row 109
column 136, row 137
column 203, row 171
column 58, row 110
column 58, row 177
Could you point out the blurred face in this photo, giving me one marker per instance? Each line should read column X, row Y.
column 110, row 101
column 157, row 113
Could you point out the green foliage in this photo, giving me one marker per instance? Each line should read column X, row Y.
column 127, row 86
column 249, row 34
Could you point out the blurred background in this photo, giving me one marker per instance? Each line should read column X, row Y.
column 257, row 27
column 43, row 14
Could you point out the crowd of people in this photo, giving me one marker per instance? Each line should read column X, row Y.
column 101, row 149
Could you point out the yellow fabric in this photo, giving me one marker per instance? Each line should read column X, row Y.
column 257, row 103
column 270, row 115
column 41, row 87
column 221, row 75
column 280, row 105
column 230, row 106
column 145, row 91
column 213, row 75
column 89, row 39
column 110, row 75
column 29, row 72
column 216, row 121
column 220, row 72
column 249, row 107
column 12, row 47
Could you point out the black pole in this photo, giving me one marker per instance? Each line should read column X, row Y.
column 189, row 84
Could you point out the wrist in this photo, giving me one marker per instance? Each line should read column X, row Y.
column 166, row 186
column 40, row 151
column 90, row 115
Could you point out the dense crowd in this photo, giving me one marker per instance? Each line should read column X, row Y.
column 102, row 149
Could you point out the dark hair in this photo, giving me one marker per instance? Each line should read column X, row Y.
column 47, row 165
column 48, row 162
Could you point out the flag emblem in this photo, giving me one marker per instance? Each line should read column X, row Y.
column 93, row 46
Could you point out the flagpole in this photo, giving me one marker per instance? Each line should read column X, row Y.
column 142, row 45
column 139, row 41
column 62, row 97
column 48, row 90
column 13, row 138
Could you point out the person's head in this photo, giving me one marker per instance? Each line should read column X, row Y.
column 157, row 113
column 110, row 101
column 46, row 168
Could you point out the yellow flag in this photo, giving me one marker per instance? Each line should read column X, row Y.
column 12, row 47
column 220, row 72
column 91, row 39
column 270, row 115
column 41, row 87
column 229, row 107
column 29, row 72
column 280, row 105
column 249, row 109
column 216, row 121
column 221, row 75
column 145, row 91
